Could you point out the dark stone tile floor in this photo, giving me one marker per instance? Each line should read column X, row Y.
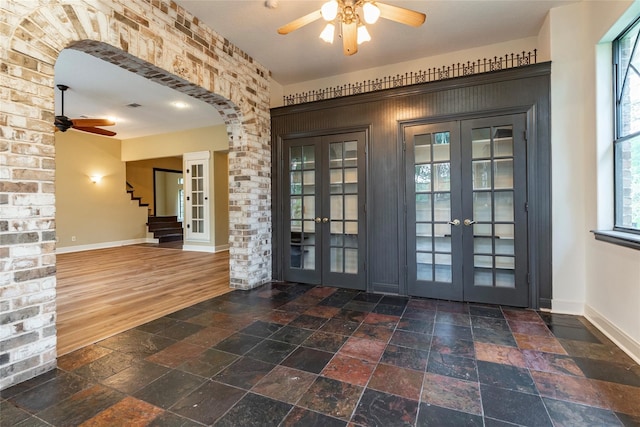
column 297, row 355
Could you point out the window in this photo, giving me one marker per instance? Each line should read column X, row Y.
column 626, row 54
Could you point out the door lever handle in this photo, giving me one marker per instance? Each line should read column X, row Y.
column 455, row 222
column 468, row 222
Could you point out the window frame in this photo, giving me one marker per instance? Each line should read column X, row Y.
column 619, row 78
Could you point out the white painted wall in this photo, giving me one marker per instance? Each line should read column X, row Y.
column 590, row 277
column 500, row 49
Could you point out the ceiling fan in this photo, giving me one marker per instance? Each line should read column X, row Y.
column 352, row 28
column 63, row 123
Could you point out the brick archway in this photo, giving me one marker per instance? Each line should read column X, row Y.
column 159, row 41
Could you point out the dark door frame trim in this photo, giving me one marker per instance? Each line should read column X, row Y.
column 154, row 184
column 278, row 188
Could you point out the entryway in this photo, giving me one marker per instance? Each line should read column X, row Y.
column 324, row 203
column 466, row 192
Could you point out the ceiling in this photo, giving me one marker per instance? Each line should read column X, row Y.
column 451, row 25
column 104, row 90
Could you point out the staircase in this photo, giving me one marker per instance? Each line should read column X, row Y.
column 165, row 228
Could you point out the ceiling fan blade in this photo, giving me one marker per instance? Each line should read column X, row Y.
column 350, row 38
column 300, row 22
column 95, row 130
column 92, row 122
column 401, row 15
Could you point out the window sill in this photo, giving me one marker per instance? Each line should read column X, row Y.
column 629, row 240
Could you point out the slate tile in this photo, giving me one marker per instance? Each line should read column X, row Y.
column 331, row 397
column 244, row 372
column 444, row 417
column 383, row 409
column 514, row 407
column 300, row 417
column 81, row 406
column 254, row 410
column 168, row 389
column 208, row 402
column 284, row 384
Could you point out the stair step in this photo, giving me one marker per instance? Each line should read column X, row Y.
column 167, row 232
column 165, row 228
column 163, row 219
column 171, row 238
column 164, row 225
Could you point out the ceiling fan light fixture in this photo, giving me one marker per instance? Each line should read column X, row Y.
column 328, row 32
column 329, row 10
column 371, row 13
column 363, row 34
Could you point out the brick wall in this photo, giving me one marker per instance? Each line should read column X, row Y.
column 153, row 38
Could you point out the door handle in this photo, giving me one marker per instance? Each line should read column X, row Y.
column 317, row 220
column 455, row 222
column 468, row 222
column 325, row 220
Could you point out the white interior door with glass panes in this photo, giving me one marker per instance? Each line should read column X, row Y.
column 196, row 189
column 466, row 210
column 324, row 230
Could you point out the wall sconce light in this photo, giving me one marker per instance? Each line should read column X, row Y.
column 95, row 179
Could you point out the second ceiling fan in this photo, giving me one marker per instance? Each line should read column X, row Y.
column 63, row 123
column 352, row 29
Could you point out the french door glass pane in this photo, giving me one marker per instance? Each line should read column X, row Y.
column 503, row 173
column 343, row 184
column 493, row 206
column 481, row 174
column 503, row 141
column 442, row 207
column 309, row 184
column 442, row 177
column 443, row 267
column 504, row 206
column 482, row 206
column 423, row 207
column 425, row 266
column 302, row 209
column 481, row 143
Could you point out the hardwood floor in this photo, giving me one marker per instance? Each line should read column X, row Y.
column 104, row 292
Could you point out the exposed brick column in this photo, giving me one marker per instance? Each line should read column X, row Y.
column 249, row 210
column 162, row 42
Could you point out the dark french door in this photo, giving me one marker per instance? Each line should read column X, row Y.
column 324, row 210
column 466, row 210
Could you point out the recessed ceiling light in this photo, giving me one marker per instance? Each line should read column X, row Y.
column 181, row 105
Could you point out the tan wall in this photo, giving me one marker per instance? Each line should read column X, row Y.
column 213, row 138
column 140, row 175
column 221, row 197
column 94, row 213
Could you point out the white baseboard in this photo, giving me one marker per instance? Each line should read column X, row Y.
column 103, row 245
column 615, row 334
column 196, row 248
column 567, row 307
column 210, row 249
